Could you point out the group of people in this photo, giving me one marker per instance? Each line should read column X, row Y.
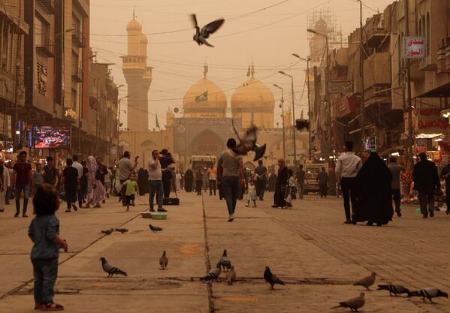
column 84, row 183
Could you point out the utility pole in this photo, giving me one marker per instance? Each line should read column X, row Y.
column 361, row 72
column 282, row 116
column 293, row 115
column 410, row 141
column 309, row 110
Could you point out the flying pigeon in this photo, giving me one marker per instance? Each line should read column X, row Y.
column 366, row 281
column 163, row 260
column 231, row 276
column 212, row 275
column 272, row 279
column 394, row 289
column 224, row 262
column 122, row 230
column 154, row 228
column 111, row 270
column 107, row 231
column 428, row 293
column 201, row 35
column 353, row 304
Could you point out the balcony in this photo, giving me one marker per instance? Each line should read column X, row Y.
column 443, row 57
column 46, row 48
column 48, row 5
column 77, row 74
column 374, row 31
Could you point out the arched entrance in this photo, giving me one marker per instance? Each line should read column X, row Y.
column 207, row 143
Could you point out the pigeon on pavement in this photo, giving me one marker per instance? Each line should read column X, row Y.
column 231, row 276
column 111, row 270
column 122, row 230
column 366, row 281
column 154, row 228
column 353, row 304
column 224, row 262
column 428, row 293
column 107, row 231
column 212, row 275
column 394, row 289
column 163, row 260
column 201, row 35
column 271, row 278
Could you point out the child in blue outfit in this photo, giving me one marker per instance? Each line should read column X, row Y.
column 44, row 232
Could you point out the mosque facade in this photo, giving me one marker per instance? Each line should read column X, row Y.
column 204, row 122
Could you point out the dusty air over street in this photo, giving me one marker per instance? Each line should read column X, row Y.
column 225, row 156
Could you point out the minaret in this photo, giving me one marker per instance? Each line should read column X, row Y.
column 138, row 76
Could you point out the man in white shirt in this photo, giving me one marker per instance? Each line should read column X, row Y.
column 155, row 182
column 77, row 165
column 347, row 167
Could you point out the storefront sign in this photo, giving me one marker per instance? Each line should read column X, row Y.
column 343, row 87
column 414, row 47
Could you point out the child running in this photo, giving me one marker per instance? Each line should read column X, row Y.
column 44, row 232
column 251, row 193
column 131, row 188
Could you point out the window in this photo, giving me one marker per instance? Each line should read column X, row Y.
column 428, row 35
column 41, row 32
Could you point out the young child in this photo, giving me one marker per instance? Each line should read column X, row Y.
column 44, row 232
column 251, row 193
column 291, row 185
column 131, row 188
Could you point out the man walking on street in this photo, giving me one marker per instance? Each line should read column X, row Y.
column 212, row 176
column 395, row 169
column 125, row 167
column 51, row 174
column 261, row 180
column 347, row 167
column 22, row 171
column 426, row 182
column 229, row 173
column 155, row 182
column 77, row 165
column 301, row 181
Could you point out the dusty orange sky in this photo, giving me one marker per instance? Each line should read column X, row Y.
column 265, row 37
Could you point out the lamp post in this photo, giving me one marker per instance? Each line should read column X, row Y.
column 326, row 84
column 282, row 116
column 293, row 114
column 307, row 60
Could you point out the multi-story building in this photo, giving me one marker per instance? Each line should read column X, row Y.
column 13, row 30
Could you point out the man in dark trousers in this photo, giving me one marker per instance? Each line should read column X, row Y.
column 51, row 174
column 166, row 160
column 22, row 171
column 261, row 180
column 229, row 174
column 395, row 170
column 446, row 175
column 426, row 182
column 347, row 167
column 322, row 179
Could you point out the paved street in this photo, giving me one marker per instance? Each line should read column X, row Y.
column 308, row 247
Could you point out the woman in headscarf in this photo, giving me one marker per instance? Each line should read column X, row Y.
column 96, row 190
column 188, row 180
column 373, row 193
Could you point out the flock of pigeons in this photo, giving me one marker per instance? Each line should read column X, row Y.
column 224, row 265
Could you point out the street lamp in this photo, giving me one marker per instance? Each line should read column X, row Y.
column 309, row 30
column 293, row 114
column 282, row 116
column 307, row 60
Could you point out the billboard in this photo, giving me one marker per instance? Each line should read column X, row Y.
column 49, row 137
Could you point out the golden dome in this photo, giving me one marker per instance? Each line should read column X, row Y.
column 253, row 94
column 134, row 25
column 205, row 98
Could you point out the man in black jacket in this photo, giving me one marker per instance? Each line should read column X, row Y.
column 426, row 182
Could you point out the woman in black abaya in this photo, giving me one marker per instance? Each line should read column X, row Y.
column 373, row 192
column 188, row 180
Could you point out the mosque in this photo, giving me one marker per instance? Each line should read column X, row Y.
column 205, row 121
